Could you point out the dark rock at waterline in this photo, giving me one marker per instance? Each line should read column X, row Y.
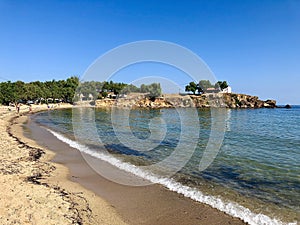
column 287, row 106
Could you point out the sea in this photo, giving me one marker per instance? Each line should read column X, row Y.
column 247, row 165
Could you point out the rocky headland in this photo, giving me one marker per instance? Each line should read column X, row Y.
column 227, row 100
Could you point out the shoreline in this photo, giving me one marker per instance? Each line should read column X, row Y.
column 152, row 204
column 35, row 190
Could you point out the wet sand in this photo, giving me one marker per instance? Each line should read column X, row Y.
column 151, row 204
column 37, row 191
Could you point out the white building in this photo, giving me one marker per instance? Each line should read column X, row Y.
column 226, row 90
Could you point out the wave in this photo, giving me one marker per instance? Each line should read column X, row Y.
column 230, row 208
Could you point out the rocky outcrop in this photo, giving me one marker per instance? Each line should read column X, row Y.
column 270, row 104
column 287, row 106
column 228, row 100
column 105, row 102
column 246, row 101
column 242, row 101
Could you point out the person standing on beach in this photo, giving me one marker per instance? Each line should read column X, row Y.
column 18, row 108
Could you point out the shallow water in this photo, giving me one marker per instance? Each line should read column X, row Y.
column 256, row 170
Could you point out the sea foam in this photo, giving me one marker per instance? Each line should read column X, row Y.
column 230, row 208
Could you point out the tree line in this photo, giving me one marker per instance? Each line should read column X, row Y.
column 204, row 85
column 19, row 91
column 64, row 90
column 100, row 90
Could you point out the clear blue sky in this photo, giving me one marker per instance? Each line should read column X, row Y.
column 254, row 45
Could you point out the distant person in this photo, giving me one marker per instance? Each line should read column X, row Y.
column 18, row 107
column 30, row 108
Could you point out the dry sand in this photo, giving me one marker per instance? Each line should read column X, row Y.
column 63, row 189
column 36, row 191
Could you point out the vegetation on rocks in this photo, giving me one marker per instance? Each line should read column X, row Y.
column 203, row 85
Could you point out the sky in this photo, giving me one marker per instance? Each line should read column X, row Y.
column 253, row 45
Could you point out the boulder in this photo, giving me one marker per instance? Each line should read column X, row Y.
column 287, row 106
column 270, row 103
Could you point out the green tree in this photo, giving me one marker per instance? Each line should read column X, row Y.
column 221, row 84
column 53, row 89
column 205, row 84
column 1, row 98
column 34, row 90
column 7, row 92
column 104, row 94
column 143, row 88
column 129, row 89
column 191, row 87
column 154, row 90
column 118, row 87
column 69, row 89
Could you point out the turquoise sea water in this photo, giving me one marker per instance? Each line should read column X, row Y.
column 255, row 175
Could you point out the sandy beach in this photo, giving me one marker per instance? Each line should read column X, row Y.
column 36, row 191
column 47, row 182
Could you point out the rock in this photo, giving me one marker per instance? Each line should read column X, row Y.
column 270, row 103
column 287, row 106
column 228, row 100
column 259, row 104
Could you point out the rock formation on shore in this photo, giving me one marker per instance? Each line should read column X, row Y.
column 228, row 100
column 247, row 101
